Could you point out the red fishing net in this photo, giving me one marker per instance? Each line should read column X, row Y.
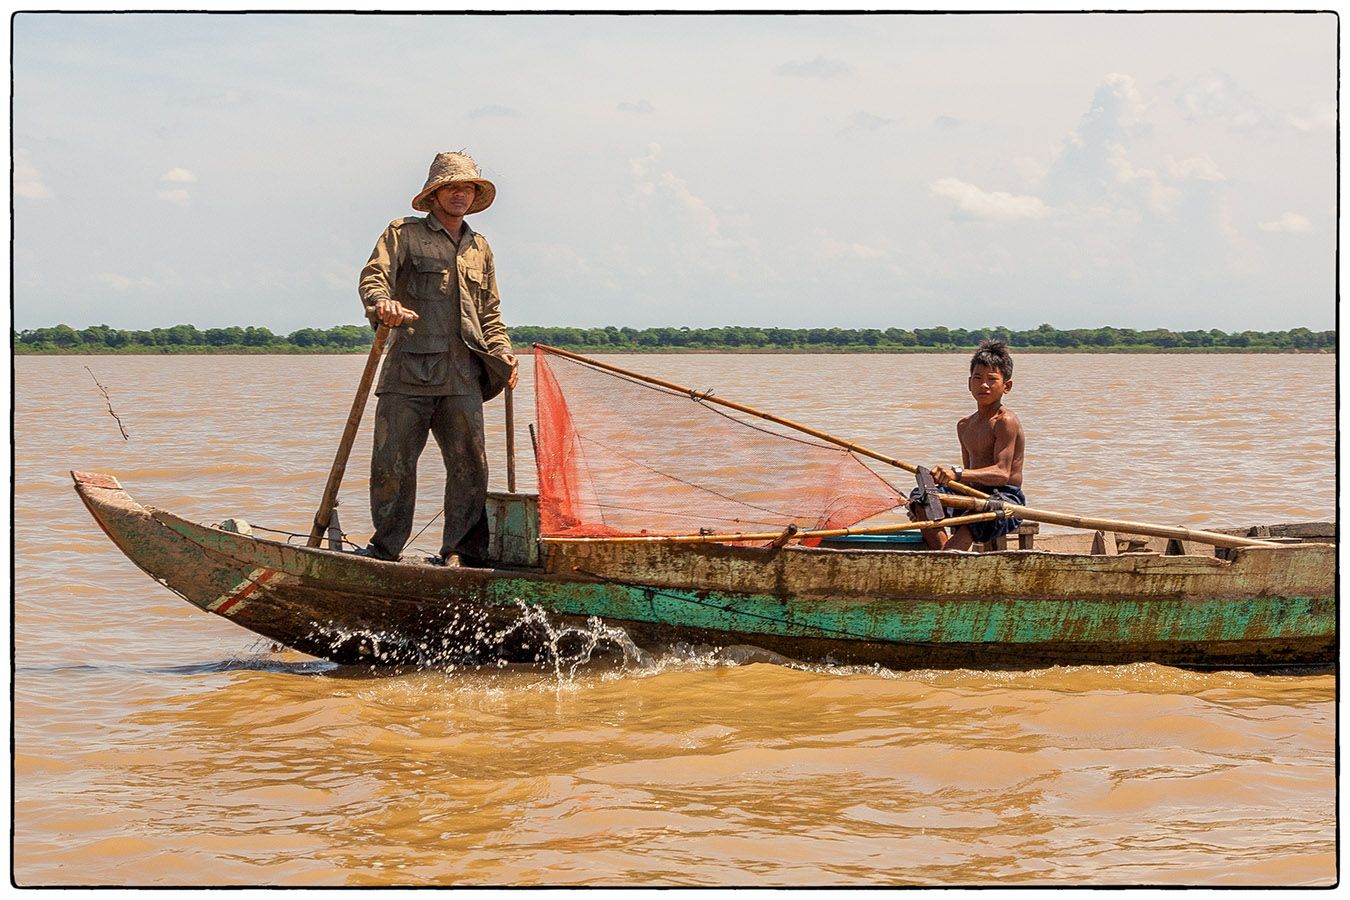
column 618, row 456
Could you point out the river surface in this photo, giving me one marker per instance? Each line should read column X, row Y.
column 157, row 745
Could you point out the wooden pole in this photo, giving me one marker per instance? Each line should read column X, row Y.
column 1125, row 527
column 710, row 398
column 954, row 521
column 330, row 490
column 510, row 443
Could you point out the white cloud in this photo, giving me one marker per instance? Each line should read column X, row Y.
column 974, row 203
column 1100, row 164
column 641, row 106
column 841, row 250
column 1207, row 96
column 1092, row 157
column 28, row 181
column 493, row 112
column 1132, row 105
column 641, row 166
column 670, row 190
column 1117, row 106
column 1199, row 168
column 697, row 213
column 820, row 67
column 1160, row 198
column 1289, row 222
column 1125, row 171
column 178, row 196
column 123, row 282
column 865, row 121
column 1323, row 119
column 1217, row 96
column 673, row 228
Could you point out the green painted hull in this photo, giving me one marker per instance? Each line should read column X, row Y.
column 1267, row 608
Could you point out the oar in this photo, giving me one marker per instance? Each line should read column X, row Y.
column 789, row 535
column 330, row 490
column 710, row 398
column 1054, row 518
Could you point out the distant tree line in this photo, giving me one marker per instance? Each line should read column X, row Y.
column 189, row 339
column 936, row 338
column 349, row 338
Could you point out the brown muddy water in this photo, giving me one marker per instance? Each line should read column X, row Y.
column 158, row 745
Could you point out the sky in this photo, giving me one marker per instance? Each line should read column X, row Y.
column 861, row 171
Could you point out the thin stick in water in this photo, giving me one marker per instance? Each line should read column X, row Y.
column 120, row 426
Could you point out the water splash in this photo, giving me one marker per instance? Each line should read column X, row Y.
column 377, row 646
column 477, row 639
column 585, row 641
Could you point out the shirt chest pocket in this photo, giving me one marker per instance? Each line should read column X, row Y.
column 430, row 278
column 477, row 280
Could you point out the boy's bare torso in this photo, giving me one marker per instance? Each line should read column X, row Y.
column 990, row 439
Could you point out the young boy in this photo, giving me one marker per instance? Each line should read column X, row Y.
column 992, row 444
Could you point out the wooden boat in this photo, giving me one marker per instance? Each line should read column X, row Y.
column 1261, row 607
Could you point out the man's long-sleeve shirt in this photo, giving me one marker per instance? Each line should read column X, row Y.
column 452, row 286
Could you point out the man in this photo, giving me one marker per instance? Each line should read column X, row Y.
column 432, row 280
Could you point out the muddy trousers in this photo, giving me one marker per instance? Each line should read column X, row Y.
column 402, row 423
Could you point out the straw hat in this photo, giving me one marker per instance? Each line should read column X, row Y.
column 455, row 168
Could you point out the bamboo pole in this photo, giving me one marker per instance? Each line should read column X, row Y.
column 1125, row 527
column 510, row 443
column 955, row 521
column 708, row 397
column 330, row 490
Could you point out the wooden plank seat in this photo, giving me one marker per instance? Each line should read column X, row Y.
column 1026, row 538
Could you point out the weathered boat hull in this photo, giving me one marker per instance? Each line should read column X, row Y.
column 1267, row 608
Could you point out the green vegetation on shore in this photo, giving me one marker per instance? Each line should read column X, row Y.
column 357, row 338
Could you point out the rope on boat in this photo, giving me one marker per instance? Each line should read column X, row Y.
column 352, row 544
column 296, row 534
column 426, row 526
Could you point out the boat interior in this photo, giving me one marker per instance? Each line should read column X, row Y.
column 513, row 523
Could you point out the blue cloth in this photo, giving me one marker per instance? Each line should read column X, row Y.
column 984, row 532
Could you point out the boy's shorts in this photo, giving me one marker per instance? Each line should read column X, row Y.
column 984, row 532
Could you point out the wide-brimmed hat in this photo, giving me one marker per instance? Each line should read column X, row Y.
column 455, row 168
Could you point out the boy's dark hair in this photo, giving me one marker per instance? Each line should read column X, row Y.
column 995, row 355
